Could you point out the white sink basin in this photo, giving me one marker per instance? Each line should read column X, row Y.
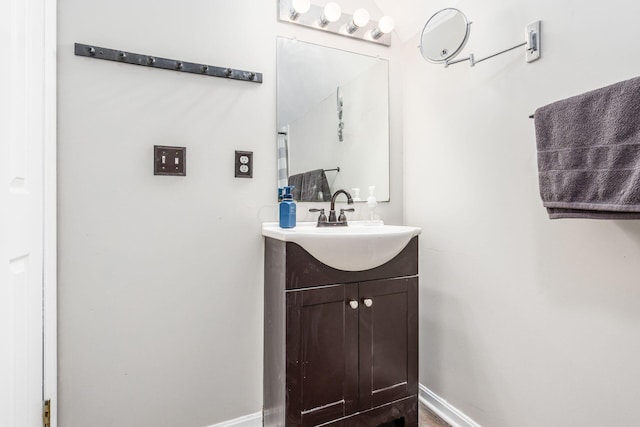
column 361, row 245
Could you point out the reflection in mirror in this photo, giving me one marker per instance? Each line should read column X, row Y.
column 333, row 121
column 444, row 35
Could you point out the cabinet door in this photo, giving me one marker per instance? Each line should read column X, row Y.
column 388, row 341
column 322, row 354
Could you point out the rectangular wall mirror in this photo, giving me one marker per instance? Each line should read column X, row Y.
column 333, row 121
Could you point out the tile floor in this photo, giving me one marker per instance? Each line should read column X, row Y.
column 429, row 419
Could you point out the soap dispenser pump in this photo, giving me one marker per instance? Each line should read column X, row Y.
column 287, row 209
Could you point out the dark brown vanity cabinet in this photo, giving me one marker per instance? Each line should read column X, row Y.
column 340, row 347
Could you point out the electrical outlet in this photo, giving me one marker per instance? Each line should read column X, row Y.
column 244, row 164
column 169, row 160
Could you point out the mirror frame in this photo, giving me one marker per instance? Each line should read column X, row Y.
column 459, row 49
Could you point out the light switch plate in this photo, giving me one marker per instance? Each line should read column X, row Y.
column 169, row 160
column 244, row 164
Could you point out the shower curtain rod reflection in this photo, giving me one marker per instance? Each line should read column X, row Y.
column 334, row 169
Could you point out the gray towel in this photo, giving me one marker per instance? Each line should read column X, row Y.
column 296, row 182
column 589, row 154
column 308, row 185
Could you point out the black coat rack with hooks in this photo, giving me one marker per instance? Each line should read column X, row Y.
column 96, row 52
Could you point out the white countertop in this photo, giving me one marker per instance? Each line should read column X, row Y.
column 361, row 245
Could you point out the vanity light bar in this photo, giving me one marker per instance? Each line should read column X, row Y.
column 353, row 26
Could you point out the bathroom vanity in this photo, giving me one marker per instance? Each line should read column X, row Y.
column 341, row 326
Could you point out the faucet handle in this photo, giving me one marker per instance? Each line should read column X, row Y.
column 322, row 217
column 343, row 217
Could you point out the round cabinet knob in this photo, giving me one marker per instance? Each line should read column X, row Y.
column 368, row 302
column 353, row 304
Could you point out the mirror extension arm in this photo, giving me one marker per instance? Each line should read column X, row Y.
column 532, row 33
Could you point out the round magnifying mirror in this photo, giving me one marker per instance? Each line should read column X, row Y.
column 444, row 35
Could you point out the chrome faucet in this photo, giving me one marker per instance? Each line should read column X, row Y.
column 334, row 221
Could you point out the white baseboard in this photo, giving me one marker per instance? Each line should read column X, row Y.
column 253, row 420
column 444, row 409
column 435, row 403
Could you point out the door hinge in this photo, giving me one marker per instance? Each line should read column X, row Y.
column 46, row 413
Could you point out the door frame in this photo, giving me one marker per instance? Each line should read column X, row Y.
column 50, row 285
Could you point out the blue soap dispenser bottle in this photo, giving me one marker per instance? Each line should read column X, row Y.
column 287, row 209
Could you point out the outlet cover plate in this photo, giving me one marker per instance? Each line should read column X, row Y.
column 244, row 164
column 169, row 160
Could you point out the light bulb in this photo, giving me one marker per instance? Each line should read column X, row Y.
column 331, row 13
column 385, row 26
column 360, row 19
column 299, row 7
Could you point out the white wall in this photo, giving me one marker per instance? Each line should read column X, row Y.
column 160, row 278
column 524, row 321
